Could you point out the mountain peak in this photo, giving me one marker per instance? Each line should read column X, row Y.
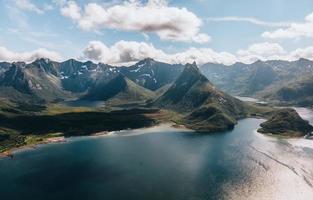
column 42, row 60
column 192, row 71
column 192, row 66
column 146, row 61
column 190, row 90
column 304, row 60
column 20, row 64
column 258, row 62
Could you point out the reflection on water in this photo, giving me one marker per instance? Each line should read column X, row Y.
column 165, row 164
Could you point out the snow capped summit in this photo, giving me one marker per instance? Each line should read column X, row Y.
column 152, row 74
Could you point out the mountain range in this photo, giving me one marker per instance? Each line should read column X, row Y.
column 48, row 81
column 43, row 80
column 279, row 81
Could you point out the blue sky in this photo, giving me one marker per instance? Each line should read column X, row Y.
column 223, row 31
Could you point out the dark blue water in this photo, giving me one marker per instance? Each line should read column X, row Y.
column 164, row 165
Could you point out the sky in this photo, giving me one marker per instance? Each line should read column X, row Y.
column 175, row 31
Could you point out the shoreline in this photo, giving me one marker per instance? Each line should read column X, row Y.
column 53, row 140
column 61, row 139
column 274, row 137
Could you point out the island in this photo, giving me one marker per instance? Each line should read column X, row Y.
column 286, row 122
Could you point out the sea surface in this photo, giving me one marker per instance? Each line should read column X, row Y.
column 163, row 163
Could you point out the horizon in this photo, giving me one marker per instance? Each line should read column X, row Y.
column 173, row 31
column 137, row 61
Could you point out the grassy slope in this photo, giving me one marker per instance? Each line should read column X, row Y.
column 120, row 90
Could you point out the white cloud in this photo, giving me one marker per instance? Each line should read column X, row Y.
column 122, row 52
column 309, row 17
column 302, row 53
column 265, row 48
column 272, row 51
column 202, row 56
column 169, row 23
column 28, row 5
column 130, row 51
column 249, row 20
column 261, row 51
column 72, row 10
column 11, row 56
column 294, row 30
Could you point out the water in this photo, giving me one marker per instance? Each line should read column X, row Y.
column 163, row 163
column 250, row 99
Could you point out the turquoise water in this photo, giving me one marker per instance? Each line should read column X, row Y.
column 163, row 163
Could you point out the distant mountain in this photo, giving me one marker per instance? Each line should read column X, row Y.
column 241, row 79
column 118, row 90
column 152, row 74
column 209, row 109
column 262, row 79
column 296, row 92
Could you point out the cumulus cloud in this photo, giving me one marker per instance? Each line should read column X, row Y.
column 302, row 53
column 122, row 52
column 72, row 10
column 155, row 16
column 11, row 56
column 129, row 51
column 202, row 56
column 28, row 5
column 272, row 51
column 294, row 30
column 261, row 51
